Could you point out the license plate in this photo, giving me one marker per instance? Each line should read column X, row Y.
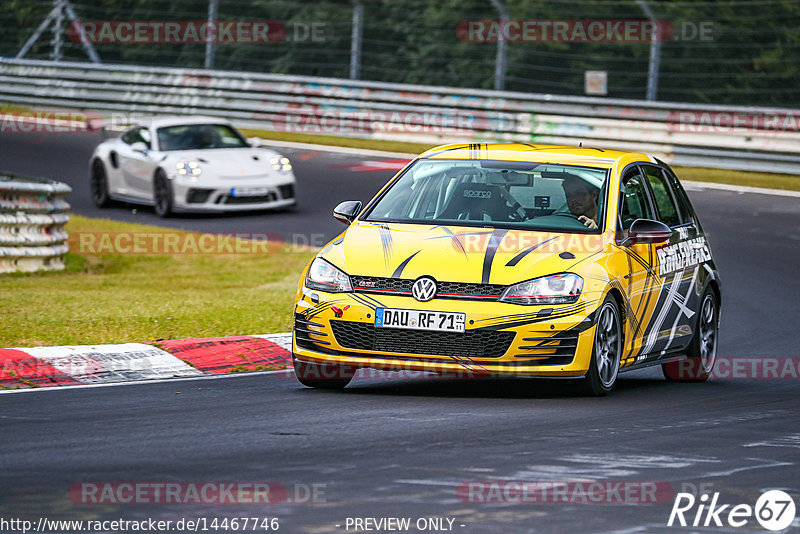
column 420, row 320
column 249, row 191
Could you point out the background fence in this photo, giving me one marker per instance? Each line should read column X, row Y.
column 721, row 52
column 33, row 213
column 685, row 134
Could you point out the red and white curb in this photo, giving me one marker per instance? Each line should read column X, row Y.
column 104, row 364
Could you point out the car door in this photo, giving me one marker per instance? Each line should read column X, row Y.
column 641, row 278
column 678, row 266
column 137, row 167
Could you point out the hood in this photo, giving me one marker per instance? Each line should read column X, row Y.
column 457, row 253
column 233, row 162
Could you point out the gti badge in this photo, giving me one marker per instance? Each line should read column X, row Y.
column 424, row 289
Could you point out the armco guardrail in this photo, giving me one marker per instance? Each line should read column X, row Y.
column 714, row 136
column 33, row 213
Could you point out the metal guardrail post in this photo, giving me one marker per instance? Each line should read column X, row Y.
column 33, row 214
column 355, row 40
column 500, row 60
column 655, row 52
column 212, row 17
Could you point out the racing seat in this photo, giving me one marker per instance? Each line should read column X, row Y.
column 473, row 201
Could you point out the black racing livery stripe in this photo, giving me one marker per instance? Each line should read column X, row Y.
column 491, row 249
column 537, row 313
column 313, row 312
column 516, row 259
column 397, row 272
column 386, row 242
column 360, row 299
column 572, row 266
column 536, row 319
column 453, row 238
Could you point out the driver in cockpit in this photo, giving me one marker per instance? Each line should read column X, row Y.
column 581, row 200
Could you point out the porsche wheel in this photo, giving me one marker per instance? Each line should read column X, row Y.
column 98, row 184
column 702, row 352
column 323, row 376
column 607, row 351
column 163, row 197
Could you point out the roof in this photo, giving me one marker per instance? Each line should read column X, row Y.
column 570, row 155
column 160, row 122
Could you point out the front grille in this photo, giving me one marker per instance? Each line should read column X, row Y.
column 444, row 290
column 286, row 191
column 558, row 349
column 470, row 344
column 250, row 200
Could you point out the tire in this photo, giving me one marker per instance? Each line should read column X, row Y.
column 163, row 197
column 323, row 376
column 702, row 351
column 606, row 351
column 98, row 185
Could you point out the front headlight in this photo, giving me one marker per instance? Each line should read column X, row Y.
column 280, row 163
column 190, row 169
column 325, row 277
column 555, row 289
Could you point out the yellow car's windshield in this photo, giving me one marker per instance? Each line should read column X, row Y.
column 505, row 194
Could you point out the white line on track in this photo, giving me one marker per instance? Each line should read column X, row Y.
column 156, row 381
column 333, row 148
column 740, row 189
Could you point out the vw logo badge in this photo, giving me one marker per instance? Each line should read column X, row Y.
column 424, row 289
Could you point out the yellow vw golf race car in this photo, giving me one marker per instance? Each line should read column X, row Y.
column 514, row 260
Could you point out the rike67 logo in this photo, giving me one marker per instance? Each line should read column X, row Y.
column 774, row 510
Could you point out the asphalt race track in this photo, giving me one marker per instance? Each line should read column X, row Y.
column 402, row 448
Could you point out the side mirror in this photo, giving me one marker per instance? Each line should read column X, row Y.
column 646, row 231
column 347, row 211
column 140, row 147
column 254, row 142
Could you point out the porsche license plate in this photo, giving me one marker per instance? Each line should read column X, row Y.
column 249, row 191
column 420, row 320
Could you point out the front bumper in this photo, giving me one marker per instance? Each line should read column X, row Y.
column 500, row 338
column 216, row 197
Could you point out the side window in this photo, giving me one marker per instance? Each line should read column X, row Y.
column 684, row 207
column 144, row 135
column 633, row 202
column 665, row 201
column 129, row 137
column 136, row 135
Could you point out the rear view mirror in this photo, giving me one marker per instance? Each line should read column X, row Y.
column 139, row 147
column 646, row 231
column 347, row 211
column 255, row 142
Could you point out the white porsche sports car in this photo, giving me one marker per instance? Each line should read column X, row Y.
column 180, row 164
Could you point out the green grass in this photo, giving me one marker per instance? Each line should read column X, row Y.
column 115, row 298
